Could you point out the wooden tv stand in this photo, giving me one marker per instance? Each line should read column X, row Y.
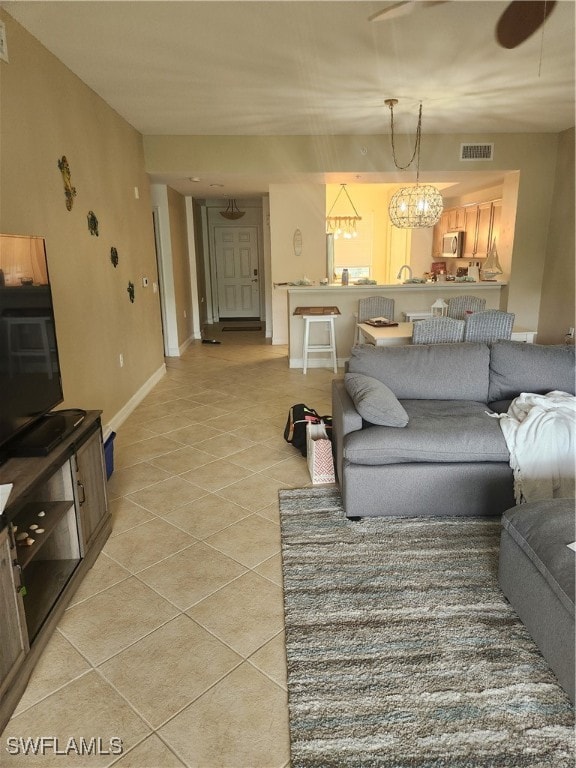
column 64, row 496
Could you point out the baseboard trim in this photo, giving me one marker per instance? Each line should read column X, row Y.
column 298, row 362
column 179, row 351
column 119, row 418
column 186, row 344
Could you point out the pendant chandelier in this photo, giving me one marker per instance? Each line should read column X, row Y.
column 342, row 226
column 232, row 211
column 419, row 206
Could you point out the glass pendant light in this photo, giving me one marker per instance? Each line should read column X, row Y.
column 420, row 205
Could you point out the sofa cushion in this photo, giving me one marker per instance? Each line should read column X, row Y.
column 374, row 401
column 437, row 431
column 500, row 406
column 425, row 371
column 516, row 367
column 543, row 529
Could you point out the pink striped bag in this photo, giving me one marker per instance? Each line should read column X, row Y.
column 319, row 454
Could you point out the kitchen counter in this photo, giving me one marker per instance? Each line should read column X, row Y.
column 408, row 297
column 483, row 284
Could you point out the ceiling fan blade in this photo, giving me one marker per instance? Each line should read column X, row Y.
column 403, row 8
column 521, row 19
column 393, row 11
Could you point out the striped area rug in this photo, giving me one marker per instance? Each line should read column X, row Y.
column 403, row 653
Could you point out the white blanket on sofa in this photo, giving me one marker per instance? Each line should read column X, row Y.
column 540, row 432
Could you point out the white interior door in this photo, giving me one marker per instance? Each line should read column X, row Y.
column 237, row 271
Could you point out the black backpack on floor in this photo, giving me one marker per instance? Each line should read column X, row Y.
column 295, row 430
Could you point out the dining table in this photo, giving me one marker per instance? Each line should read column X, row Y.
column 386, row 335
column 401, row 333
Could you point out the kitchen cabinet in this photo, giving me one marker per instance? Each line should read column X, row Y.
column 483, row 230
column 455, row 219
column 439, row 230
column 480, row 223
column 496, row 220
column 470, row 221
column 54, row 525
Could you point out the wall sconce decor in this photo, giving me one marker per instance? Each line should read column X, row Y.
column 297, row 242
column 419, row 206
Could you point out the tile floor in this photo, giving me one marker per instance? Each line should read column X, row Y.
column 174, row 641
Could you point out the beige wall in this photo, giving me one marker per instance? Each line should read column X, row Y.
column 200, row 267
column 303, row 207
column 48, row 112
column 180, row 266
column 292, row 207
column 528, row 162
column 557, row 304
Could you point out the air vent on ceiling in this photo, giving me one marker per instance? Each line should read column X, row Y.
column 476, row 151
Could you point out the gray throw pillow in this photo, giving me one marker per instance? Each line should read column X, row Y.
column 374, row 401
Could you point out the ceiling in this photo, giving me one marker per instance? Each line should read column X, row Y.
column 194, row 67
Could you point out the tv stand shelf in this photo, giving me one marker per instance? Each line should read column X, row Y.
column 53, row 511
column 49, row 578
column 63, row 494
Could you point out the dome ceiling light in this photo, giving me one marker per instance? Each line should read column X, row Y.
column 232, row 212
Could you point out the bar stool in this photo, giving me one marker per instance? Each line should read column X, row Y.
column 312, row 315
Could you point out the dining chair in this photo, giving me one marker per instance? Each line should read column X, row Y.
column 438, row 330
column 460, row 306
column 489, row 325
column 373, row 306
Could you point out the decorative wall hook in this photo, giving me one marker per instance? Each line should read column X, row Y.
column 92, row 223
column 69, row 190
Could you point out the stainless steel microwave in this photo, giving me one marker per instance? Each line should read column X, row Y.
column 452, row 243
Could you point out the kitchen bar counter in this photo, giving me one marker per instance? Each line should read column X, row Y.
column 450, row 284
column 410, row 297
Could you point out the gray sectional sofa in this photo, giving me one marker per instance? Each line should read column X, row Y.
column 411, row 434
column 536, row 573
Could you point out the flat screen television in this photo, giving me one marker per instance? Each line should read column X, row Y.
column 30, row 382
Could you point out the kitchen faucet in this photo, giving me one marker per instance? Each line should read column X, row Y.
column 402, row 268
